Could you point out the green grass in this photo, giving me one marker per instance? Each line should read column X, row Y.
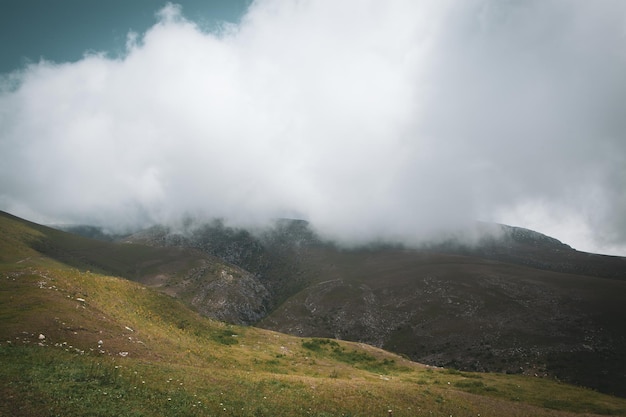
column 327, row 348
column 318, row 345
column 263, row 374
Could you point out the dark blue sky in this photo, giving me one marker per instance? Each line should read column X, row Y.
column 63, row 30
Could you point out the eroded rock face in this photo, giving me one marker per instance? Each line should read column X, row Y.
column 234, row 296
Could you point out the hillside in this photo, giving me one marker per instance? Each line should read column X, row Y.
column 212, row 286
column 509, row 300
column 467, row 313
column 76, row 342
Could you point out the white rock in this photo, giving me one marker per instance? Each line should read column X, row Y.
column 41, row 337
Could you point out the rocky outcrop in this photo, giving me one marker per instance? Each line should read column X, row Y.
column 233, row 295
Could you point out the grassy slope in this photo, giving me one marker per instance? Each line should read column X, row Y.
column 131, row 261
column 186, row 273
column 465, row 312
column 113, row 347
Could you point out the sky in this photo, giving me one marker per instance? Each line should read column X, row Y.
column 397, row 120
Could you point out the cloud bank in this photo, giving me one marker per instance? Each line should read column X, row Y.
column 367, row 118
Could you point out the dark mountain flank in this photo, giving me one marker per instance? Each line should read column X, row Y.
column 466, row 312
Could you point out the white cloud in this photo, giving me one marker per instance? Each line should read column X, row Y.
column 365, row 117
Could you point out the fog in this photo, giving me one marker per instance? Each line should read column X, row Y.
column 394, row 120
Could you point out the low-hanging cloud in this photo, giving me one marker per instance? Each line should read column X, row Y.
column 367, row 118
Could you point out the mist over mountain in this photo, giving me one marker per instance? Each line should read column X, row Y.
column 370, row 120
column 247, row 246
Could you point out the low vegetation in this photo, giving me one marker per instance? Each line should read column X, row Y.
column 76, row 343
